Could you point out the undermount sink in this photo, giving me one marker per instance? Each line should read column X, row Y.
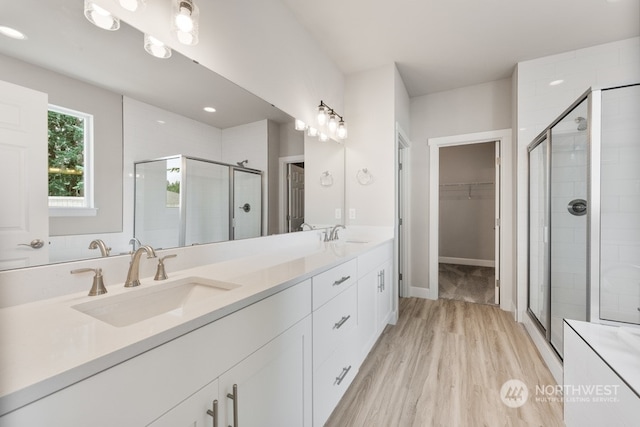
column 171, row 297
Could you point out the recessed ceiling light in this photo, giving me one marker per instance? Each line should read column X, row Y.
column 12, row 33
column 161, row 121
column 209, row 109
column 556, row 82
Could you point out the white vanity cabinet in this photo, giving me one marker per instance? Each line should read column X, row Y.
column 174, row 383
column 335, row 315
column 375, row 296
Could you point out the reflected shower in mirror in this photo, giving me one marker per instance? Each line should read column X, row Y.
column 141, row 108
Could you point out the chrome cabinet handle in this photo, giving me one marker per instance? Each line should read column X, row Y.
column 380, row 281
column 34, row 244
column 341, row 322
column 234, row 396
column 341, row 377
column 214, row 413
column 341, row 281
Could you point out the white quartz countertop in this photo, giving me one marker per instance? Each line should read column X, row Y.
column 48, row 345
column 617, row 346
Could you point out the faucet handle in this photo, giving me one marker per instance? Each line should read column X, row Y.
column 161, row 273
column 97, row 288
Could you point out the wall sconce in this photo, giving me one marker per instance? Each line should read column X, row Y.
column 184, row 21
column 100, row 17
column 328, row 116
column 133, row 5
column 155, row 47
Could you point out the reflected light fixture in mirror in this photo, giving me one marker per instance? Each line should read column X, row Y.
column 155, row 47
column 300, row 125
column 323, row 137
column 311, row 131
column 184, row 21
column 12, row 33
column 100, row 17
column 133, row 5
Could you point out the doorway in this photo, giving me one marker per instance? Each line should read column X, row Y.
column 291, row 194
column 467, row 222
column 503, row 295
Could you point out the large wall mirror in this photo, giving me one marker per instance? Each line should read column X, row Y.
column 131, row 116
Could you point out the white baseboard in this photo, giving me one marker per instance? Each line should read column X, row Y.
column 424, row 293
column 467, row 261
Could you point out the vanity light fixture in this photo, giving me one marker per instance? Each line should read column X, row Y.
column 156, row 48
column 133, row 5
column 209, row 109
column 12, row 33
column 184, row 21
column 328, row 116
column 100, row 17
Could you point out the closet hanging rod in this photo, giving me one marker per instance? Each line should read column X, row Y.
column 465, row 184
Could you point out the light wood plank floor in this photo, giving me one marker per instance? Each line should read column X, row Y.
column 443, row 364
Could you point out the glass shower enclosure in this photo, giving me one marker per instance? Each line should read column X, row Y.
column 584, row 214
column 183, row 201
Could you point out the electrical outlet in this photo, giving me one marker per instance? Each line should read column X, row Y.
column 352, row 213
column 338, row 213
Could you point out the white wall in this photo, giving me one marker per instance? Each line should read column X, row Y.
column 370, row 114
column 257, row 44
column 465, row 110
column 321, row 201
column 538, row 104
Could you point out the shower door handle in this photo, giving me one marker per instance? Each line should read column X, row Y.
column 577, row 207
column 246, row 207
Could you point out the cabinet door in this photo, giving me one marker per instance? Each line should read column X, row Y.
column 367, row 313
column 385, row 291
column 193, row 412
column 273, row 384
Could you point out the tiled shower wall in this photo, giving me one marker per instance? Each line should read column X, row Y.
column 620, row 218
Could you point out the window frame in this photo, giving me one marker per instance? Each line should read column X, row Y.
column 88, row 206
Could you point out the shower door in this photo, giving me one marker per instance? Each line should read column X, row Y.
column 246, row 209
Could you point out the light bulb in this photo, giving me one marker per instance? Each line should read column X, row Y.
column 323, row 137
column 341, row 132
column 333, row 122
column 132, row 5
column 311, row 131
column 155, row 47
column 100, row 17
column 299, row 125
column 322, row 115
column 185, row 21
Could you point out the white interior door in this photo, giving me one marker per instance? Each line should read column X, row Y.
column 295, row 197
column 24, row 218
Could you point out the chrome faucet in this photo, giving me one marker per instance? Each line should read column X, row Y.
column 99, row 244
column 133, row 275
column 133, row 242
column 334, row 231
column 308, row 225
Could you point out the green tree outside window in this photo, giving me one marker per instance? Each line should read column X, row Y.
column 66, row 154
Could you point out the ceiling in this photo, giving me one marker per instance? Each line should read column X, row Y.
column 445, row 44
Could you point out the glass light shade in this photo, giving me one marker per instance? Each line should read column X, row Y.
column 323, row 137
column 322, row 115
column 100, row 17
column 333, row 122
column 184, row 21
column 341, row 132
column 300, row 125
column 133, row 5
column 311, row 131
column 156, row 48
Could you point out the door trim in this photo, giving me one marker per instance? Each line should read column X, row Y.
column 506, row 258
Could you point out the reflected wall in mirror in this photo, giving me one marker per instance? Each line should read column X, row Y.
column 142, row 108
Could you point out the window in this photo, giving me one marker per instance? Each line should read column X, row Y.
column 70, row 135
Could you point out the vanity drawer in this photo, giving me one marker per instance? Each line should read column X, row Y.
column 330, row 381
column 332, row 282
column 333, row 324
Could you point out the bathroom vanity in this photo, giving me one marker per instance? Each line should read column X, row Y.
column 277, row 343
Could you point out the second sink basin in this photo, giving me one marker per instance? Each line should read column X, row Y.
column 172, row 297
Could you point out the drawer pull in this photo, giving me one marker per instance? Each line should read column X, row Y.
column 341, row 281
column 341, row 322
column 214, row 413
column 234, row 397
column 344, row 373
